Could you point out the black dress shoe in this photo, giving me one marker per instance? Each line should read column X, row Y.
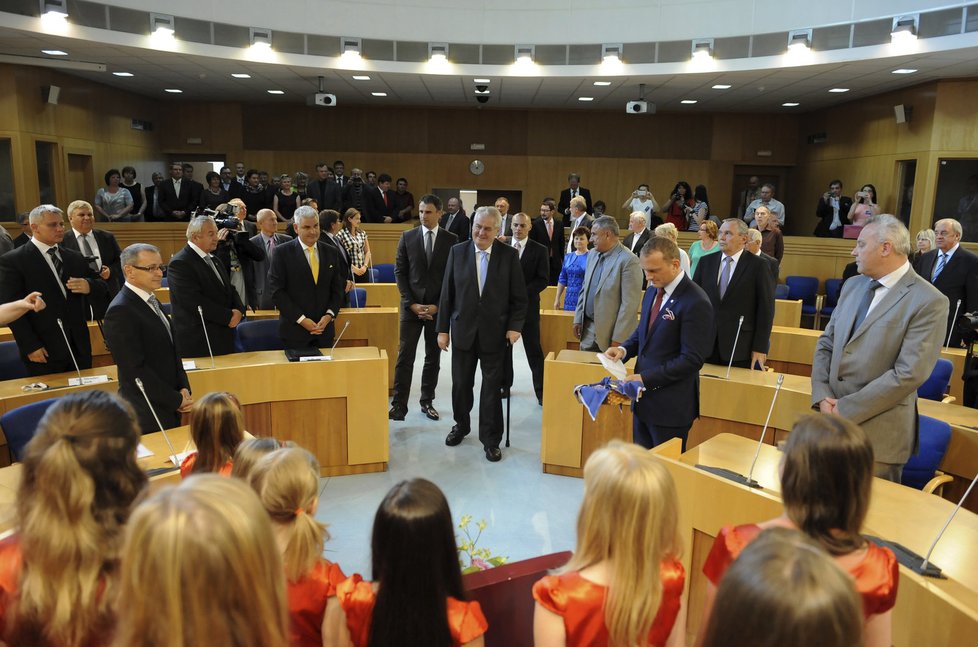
column 455, row 436
column 493, row 454
column 430, row 411
column 397, row 413
column 540, row 399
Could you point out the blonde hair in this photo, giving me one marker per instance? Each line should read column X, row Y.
column 200, row 568
column 287, row 483
column 250, row 451
column 79, row 481
column 628, row 518
column 667, row 230
column 217, row 428
column 78, row 204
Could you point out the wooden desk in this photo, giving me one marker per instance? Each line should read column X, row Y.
column 100, row 354
column 787, row 313
column 927, row 612
column 568, row 434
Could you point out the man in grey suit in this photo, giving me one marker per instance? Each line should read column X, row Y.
column 268, row 239
column 607, row 310
column 881, row 343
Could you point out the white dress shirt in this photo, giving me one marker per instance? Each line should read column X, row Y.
column 886, row 283
column 91, row 243
column 733, row 266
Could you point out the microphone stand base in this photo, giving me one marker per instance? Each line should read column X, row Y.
column 730, row 475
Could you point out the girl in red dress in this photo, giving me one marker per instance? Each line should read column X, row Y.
column 785, row 590
column 826, row 479
column 217, row 428
column 624, row 584
column 200, row 567
column 416, row 598
column 287, row 482
column 80, row 478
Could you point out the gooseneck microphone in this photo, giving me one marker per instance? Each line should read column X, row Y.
column 338, row 337
column 207, row 338
column 733, row 350
column 173, row 453
column 950, row 331
column 767, row 421
column 64, row 336
column 926, row 562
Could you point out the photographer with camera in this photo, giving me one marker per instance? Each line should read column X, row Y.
column 864, row 205
column 235, row 250
column 680, row 205
column 641, row 199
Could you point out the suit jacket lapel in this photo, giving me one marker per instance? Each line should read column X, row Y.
column 43, row 269
column 737, row 273
column 890, row 299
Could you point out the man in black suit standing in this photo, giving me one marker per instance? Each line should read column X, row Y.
column 67, row 284
column 639, row 234
column 536, row 272
column 739, row 284
column 196, row 188
column 506, row 228
column 953, row 270
column 268, row 240
column 326, row 192
column 832, row 211
column 154, row 199
column 549, row 232
column 455, row 220
column 579, row 218
column 140, row 338
column 94, row 243
column 573, row 190
column 754, row 238
column 307, row 285
column 419, row 271
column 176, row 195
column 380, row 205
column 23, row 219
column 237, row 253
column 200, row 288
column 483, row 304
column 673, row 337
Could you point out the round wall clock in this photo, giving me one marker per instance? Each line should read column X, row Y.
column 477, row 167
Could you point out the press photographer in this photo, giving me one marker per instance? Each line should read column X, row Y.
column 235, row 249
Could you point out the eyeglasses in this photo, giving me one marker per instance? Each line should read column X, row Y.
column 150, row 268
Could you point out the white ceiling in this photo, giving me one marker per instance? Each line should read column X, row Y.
column 761, row 90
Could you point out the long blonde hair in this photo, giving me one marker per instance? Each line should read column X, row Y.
column 287, row 483
column 79, row 481
column 628, row 518
column 217, row 428
column 200, row 567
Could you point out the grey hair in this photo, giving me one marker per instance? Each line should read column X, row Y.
column 37, row 213
column 667, row 230
column 638, row 215
column 304, row 211
column 492, row 212
column 264, row 213
column 607, row 223
column 131, row 253
column 196, row 224
column 754, row 236
column 889, row 228
column 742, row 227
column 955, row 225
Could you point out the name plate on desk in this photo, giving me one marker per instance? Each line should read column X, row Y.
column 89, row 379
column 316, row 358
column 189, row 365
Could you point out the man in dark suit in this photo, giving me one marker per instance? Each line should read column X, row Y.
column 341, row 180
column 573, row 190
column 536, row 274
column 140, row 337
column 483, row 304
column 579, row 218
column 196, row 188
column 307, row 285
column 326, row 192
column 754, row 238
column 380, row 205
column 739, row 284
column 199, row 280
column 94, row 243
column 67, row 284
column 673, row 338
column 953, row 270
column 237, row 253
column 549, row 232
column 420, row 269
column 639, row 233
column 330, row 223
column 832, row 211
column 267, row 240
column 355, row 193
column 176, row 195
column 23, row 219
column 455, row 220
column 506, row 228
column 154, row 207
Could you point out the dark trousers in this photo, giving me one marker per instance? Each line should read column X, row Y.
column 555, row 266
column 717, row 358
column 534, row 352
column 490, row 402
column 649, row 435
column 411, row 330
column 147, row 423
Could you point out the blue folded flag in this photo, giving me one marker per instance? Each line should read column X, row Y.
column 592, row 396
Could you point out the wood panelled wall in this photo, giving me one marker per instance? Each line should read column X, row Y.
column 90, row 119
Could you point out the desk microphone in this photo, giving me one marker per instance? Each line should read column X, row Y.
column 70, row 351
column 207, row 337
column 340, row 336
column 740, row 478
column 733, row 350
column 950, row 331
column 173, row 453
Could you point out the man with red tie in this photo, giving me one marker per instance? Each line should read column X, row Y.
column 547, row 231
column 674, row 336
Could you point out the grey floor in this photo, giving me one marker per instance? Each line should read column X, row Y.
column 528, row 513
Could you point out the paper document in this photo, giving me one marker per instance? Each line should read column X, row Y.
column 616, row 368
column 142, row 451
column 189, row 365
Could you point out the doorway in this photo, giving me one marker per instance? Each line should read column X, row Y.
column 81, row 177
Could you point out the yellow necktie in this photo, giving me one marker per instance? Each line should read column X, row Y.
column 313, row 264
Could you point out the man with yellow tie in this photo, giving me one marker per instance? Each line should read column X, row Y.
column 306, row 285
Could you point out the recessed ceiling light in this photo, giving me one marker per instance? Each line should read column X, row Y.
column 378, row 94
column 585, row 98
column 361, row 77
column 602, row 84
column 688, row 102
column 721, row 86
column 790, row 104
column 241, row 75
column 839, row 90
column 904, row 70
column 481, row 80
column 173, row 91
column 276, row 91
column 122, row 73
column 54, row 52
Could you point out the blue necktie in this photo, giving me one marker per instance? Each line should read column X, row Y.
column 725, row 275
column 940, row 266
column 483, row 269
column 864, row 305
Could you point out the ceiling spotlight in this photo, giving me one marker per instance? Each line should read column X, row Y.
column 688, row 102
column 360, row 77
column 482, row 89
column 437, row 52
column 839, row 90
column 799, row 40
column 260, row 38
column 378, row 94
column 703, row 49
column 54, row 52
column 481, row 80
column 351, row 47
column 904, row 70
column 721, row 86
column 240, row 75
column 524, row 53
column 790, row 104
column 54, row 9
column 161, row 25
column 276, row 91
column 123, row 74
column 611, row 53
column 585, row 98
column 173, row 91
column 905, row 28
column 602, row 84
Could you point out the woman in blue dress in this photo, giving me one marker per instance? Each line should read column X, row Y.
column 572, row 273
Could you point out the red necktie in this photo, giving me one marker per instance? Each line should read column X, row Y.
column 385, row 198
column 655, row 309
